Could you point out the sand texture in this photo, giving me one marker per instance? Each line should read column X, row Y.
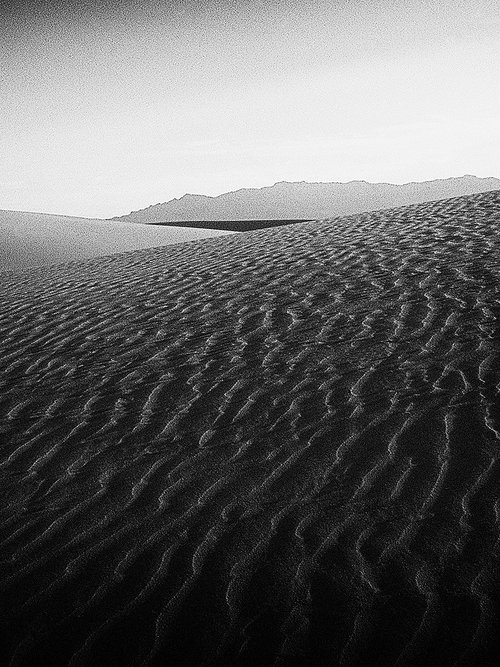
column 274, row 448
column 33, row 239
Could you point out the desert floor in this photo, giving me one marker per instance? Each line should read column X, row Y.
column 272, row 448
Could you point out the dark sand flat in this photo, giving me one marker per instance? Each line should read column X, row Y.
column 276, row 448
column 230, row 225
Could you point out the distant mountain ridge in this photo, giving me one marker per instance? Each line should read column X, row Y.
column 307, row 200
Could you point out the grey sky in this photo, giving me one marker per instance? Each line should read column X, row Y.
column 104, row 109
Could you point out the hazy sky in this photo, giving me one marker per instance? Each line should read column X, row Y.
column 111, row 106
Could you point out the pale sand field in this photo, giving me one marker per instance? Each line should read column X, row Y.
column 273, row 448
column 31, row 239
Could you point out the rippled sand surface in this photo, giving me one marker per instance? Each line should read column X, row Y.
column 275, row 448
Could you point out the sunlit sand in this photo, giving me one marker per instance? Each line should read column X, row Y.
column 31, row 239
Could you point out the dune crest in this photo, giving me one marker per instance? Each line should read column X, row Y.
column 34, row 239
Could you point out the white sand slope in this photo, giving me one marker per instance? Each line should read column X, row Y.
column 30, row 239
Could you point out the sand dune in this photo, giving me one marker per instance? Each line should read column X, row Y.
column 276, row 448
column 31, row 239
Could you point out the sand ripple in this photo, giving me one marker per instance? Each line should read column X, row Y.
column 281, row 447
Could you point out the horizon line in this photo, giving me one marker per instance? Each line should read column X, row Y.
column 193, row 194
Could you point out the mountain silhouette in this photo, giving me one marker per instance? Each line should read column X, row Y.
column 303, row 200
